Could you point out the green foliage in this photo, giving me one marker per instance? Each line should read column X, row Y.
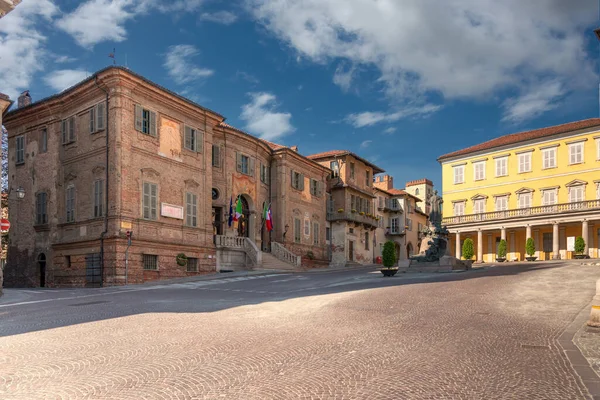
column 310, row 255
column 389, row 254
column 502, row 249
column 579, row 245
column 467, row 250
column 181, row 259
column 530, row 247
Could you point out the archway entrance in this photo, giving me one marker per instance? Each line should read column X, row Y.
column 409, row 250
column 243, row 228
column 42, row 265
column 397, row 249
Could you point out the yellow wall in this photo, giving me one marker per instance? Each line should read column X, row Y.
column 538, row 178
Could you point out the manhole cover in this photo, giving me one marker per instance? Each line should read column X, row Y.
column 89, row 303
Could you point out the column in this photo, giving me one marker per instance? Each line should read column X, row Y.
column 585, row 236
column 503, row 233
column 491, row 250
column 527, row 236
column 512, row 246
column 555, row 254
column 458, row 249
column 538, row 243
column 479, row 246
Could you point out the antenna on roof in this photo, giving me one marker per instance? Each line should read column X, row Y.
column 113, row 56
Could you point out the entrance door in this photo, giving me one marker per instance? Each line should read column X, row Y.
column 351, row 250
column 93, row 270
column 243, row 222
column 42, row 265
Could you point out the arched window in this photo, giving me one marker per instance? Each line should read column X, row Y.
column 417, row 192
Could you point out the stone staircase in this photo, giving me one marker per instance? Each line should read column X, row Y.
column 280, row 258
column 269, row 262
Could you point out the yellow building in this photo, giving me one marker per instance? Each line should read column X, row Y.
column 543, row 184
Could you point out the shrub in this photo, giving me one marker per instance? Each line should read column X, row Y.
column 389, row 254
column 181, row 259
column 530, row 247
column 310, row 255
column 502, row 249
column 579, row 245
column 467, row 249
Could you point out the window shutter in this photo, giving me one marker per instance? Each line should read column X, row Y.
column 72, row 129
column 250, row 166
column 153, row 200
column 64, row 131
column 152, row 123
column 319, row 189
column 100, row 117
column 146, row 201
column 199, row 141
column 138, row 117
column 216, row 156
column 188, row 138
column 301, row 182
column 292, row 179
column 238, row 163
column 92, row 120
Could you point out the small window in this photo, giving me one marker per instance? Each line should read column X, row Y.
column 297, row 232
column 549, row 197
column 577, row 193
column 216, row 156
column 191, row 201
column 416, row 191
column 335, row 169
column 459, row 208
column 328, row 233
column 501, row 203
column 395, row 225
column 41, row 203
column 352, row 170
column 97, row 117
column 479, row 206
column 245, row 164
column 459, row 174
column 368, row 178
column 98, row 198
column 297, row 180
column 193, row 139
column 192, row 264
column 44, row 141
column 524, row 162
column 150, row 262
column 20, row 146
column 576, row 153
column 479, row 170
column 265, row 174
column 315, row 234
column 502, row 166
column 525, row 200
column 68, row 130
column 145, row 120
column 70, row 204
column 549, row 158
column 150, row 201
column 315, row 188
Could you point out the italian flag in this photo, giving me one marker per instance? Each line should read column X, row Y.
column 268, row 218
column 238, row 210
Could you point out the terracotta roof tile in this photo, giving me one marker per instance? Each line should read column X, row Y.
column 524, row 136
column 339, row 153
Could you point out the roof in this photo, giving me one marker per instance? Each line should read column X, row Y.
column 3, row 96
column 340, row 153
column 272, row 146
column 419, row 182
column 524, row 136
column 398, row 192
column 119, row 68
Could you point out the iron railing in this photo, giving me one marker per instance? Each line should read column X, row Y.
column 354, row 217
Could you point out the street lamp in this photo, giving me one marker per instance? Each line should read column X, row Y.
column 20, row 193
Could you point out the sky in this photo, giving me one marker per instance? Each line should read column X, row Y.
column 399, row 82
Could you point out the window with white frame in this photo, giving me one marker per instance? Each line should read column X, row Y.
column 576, row 153
column 459, row 174
column 395, row 225
column 549, row 158
column 525, row 200
column 459, row 208
column 525, row 162
column 479, row 170
column 598, row 148
column 598, row 191
column 191, row 203
column 502, row 166
column 577, row 193
column 501, row 203
column 478, row 206
column 549, row 197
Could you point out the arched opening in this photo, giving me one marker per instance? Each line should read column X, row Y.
column 417, row 192
column 42, row 265
column 409, row 250
column 243, row 228
column 398, row 252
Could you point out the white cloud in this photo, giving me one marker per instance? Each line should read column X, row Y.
column 65, row 78
column 365, row 144
column 343, row 77
column 263, row 120
column 534, row 102
column 22, row 52
column 247, row 77
column 220, row 17
column 389, row 130
column 368, row 118
column 457, row 49
column 63, row 59
column 179, row 66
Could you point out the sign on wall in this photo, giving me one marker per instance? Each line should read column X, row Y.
column 571, row 243
column 171, row 211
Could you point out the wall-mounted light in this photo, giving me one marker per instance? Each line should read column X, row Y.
column 20, row 193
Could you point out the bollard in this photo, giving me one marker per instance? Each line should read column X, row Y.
column 595, row 312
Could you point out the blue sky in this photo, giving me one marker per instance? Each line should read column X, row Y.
column 398, row 82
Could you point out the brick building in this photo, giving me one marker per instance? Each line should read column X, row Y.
column 7, row 6
column 117, row 153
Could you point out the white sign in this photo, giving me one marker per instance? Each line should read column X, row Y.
column 171, row 211
column 571, row 243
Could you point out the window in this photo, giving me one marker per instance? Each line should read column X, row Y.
column 501, row 203
column 191, row 206
column 306, row 227
column 576, row 153
column 366, row 240
column 193, row 139
column 297, row 232
column 97, row 118
column 549, row 158
column 352, row 170
column 549, row 197
column 68, row 130
column 478, row 206
column 576, row 193
column 297, row 180
column 145, row 121
column 335, row 169
column 395, row 225
column 316, row 188
column 192, row 264
column 265, row 174
column 70, row 204
column 502, row 166
column 98, row 198
column 368, row 178
column 150, row 262
column 416, row 191
column 44, row 141
column 479, row 170
column 41, row 215
column 409, row 224
column 149, row 202
column 244, row 164
column 524, row 162
column 459, row 174
column 328, row 233
column 459, row 208
column 315, row 233
column 216, row 156
column 20, row 150
column 524, row 200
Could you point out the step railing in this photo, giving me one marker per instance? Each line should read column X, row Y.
column 253, row 252
column 283, row 254
column 229, row 241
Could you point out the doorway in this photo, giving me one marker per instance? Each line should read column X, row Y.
column 217, row 220
column 42, row 265
column 350, row 250
column 547, row 245
column 243, row 222
column 409, row 250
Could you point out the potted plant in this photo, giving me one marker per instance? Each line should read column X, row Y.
column 181, row 260
column 353, row 211
column 389, row 259
column 579, row 248
column 362, row 213
column 530, row 250
column 310, row 255
column 501, row 256
column 468, row 251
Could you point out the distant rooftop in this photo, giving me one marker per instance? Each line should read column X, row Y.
column 341, row 153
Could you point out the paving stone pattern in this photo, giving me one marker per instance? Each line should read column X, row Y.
column 346, row 335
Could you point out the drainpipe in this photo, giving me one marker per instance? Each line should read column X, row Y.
column 103, row 234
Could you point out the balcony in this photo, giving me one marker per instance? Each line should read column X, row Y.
column 392, row 206
column 515, row 214
column 395, row 232
column 368, row 222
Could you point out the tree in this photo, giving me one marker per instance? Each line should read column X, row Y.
column 389, row 254
column 579, row 245
column 530, row 247
column 467, row 249
column 502, row 249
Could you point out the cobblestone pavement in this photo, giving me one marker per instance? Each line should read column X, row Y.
column 588, row 340
column 487, row 334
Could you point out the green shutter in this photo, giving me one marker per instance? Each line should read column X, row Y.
column 152, row 123
column 139, row 117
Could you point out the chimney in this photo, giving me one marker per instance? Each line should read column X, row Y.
column 24, row 99
column 294, row 148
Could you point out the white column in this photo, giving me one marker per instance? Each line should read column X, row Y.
column 491, row 249
column 555, row 253
column 538, row 244
column 503, row 233
column 479, row 246
column 527, row 232
column 458, row 245
column 512, row 245
column 585, row 236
